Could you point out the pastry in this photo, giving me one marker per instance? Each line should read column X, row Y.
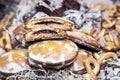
column 83, row 39
column 44, row 32
column 55, row 54
column 13, row 62
column 54, row 22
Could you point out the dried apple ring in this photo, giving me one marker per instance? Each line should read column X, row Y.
column 107, row 55
column 91, row 73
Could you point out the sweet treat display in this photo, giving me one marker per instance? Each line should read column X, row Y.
column 61, row 40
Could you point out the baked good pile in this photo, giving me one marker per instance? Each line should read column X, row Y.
column 60, row 40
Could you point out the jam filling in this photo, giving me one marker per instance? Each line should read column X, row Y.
column 47, row 22
column 45, row 31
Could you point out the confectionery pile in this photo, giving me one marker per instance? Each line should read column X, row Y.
column 61, row 40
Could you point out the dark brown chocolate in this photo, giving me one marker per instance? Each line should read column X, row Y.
column 43, row 9
column 71, row 4
column 58, row 12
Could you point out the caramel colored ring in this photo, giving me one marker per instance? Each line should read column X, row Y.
column 91, row 73
column 107, row 55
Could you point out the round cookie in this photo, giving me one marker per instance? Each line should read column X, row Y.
column 54, row 54
column 13, row 61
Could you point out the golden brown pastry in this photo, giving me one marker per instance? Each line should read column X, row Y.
column 54, row 54
column 54, row 22
column 13, row 61
column 44, row 32
column 83, row 39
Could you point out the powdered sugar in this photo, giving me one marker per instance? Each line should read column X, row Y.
column 12, row 68
column 48, row 59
